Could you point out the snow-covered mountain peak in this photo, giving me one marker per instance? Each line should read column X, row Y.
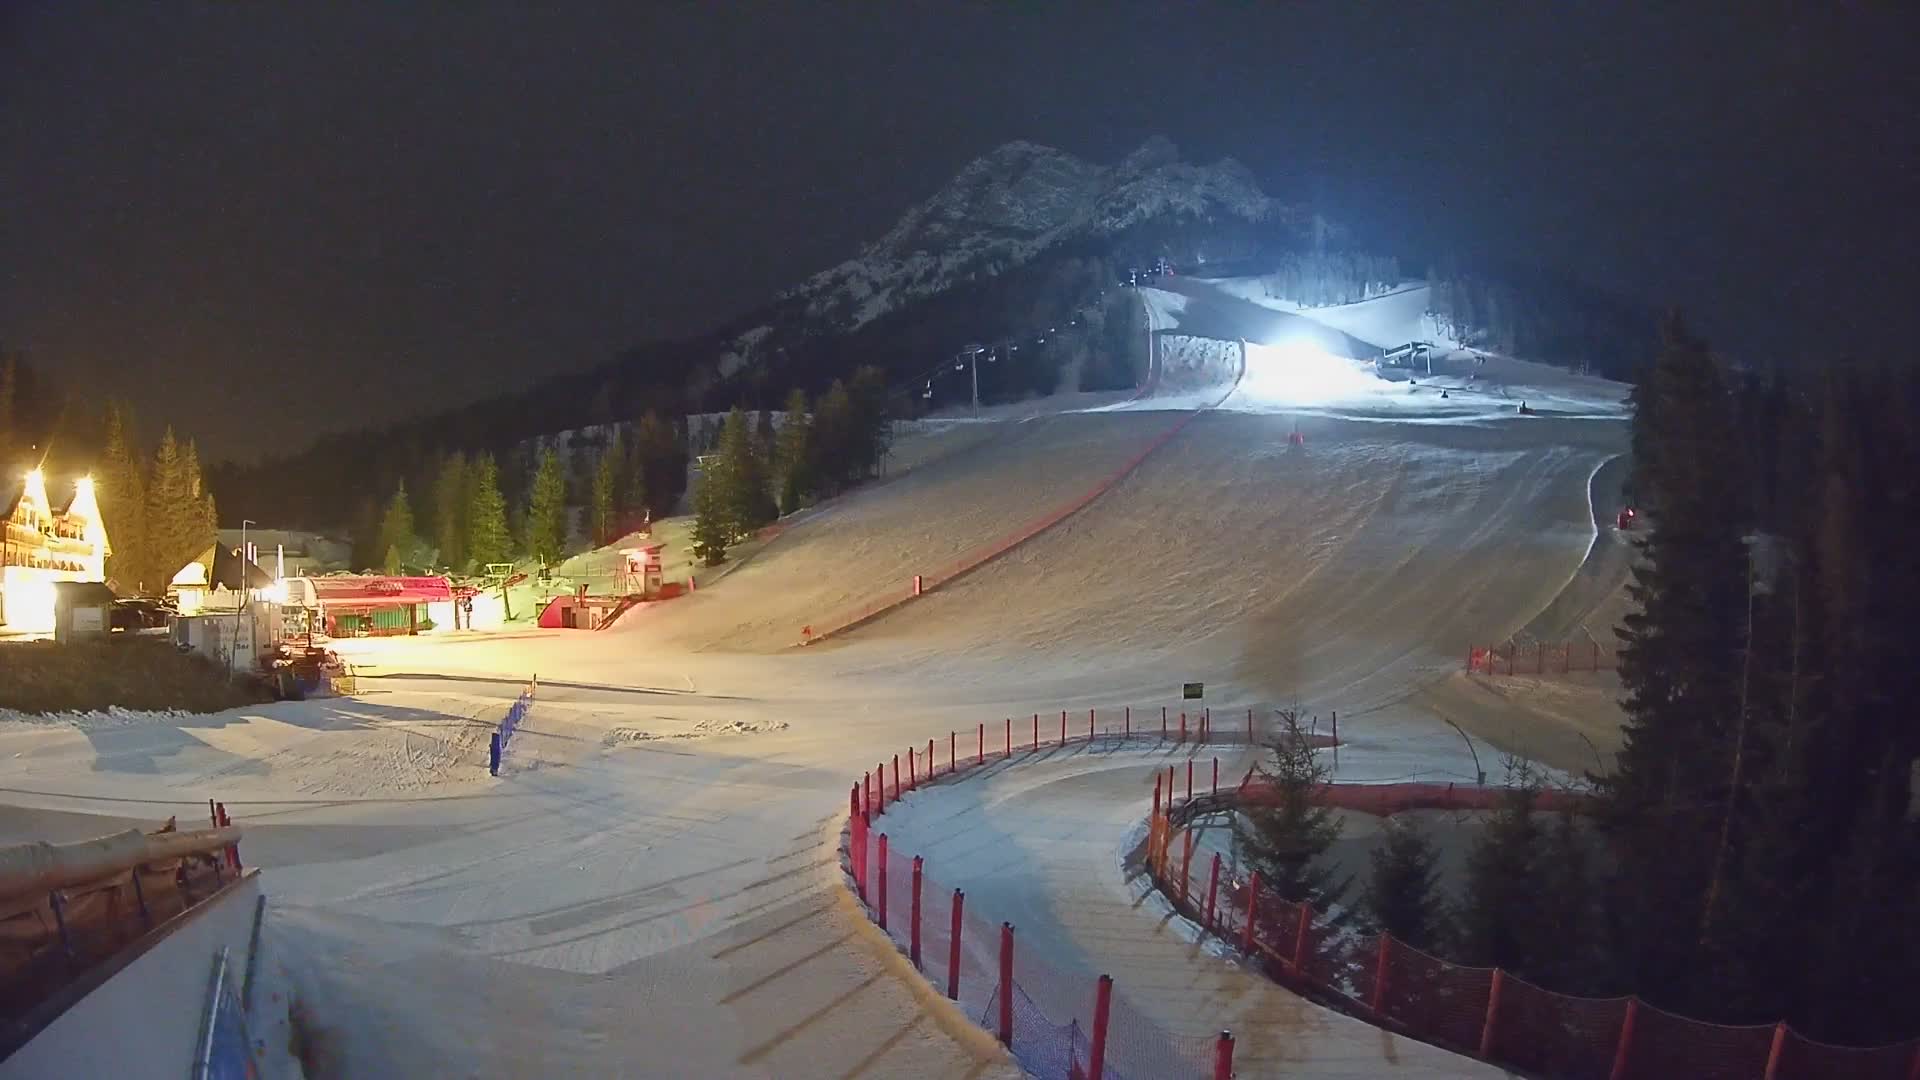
column 1010, row 205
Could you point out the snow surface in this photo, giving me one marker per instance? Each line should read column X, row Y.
column 651, row 888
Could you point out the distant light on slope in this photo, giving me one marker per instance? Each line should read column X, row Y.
column 1299, row 372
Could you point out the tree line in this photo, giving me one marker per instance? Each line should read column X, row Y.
column 759, row 473
column 1323, row 279
column 1756, row 851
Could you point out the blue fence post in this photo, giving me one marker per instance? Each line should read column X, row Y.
column 493, row 756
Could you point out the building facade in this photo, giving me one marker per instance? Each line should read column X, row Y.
column 40, row 545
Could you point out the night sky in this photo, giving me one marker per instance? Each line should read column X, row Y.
column 256, row 220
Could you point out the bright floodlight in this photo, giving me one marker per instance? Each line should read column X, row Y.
column 1299, row 372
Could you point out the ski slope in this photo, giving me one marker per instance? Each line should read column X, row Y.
column 650, row 888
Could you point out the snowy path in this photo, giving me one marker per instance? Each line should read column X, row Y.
column 1039, row 843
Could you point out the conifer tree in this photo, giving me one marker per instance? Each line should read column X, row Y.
column 396, row 531
column 1285, row 835
column 120, row 488
column 743, row 479
column 832, row 439
column 606, row 489
column 1498, row 909
column 547, row 510
column 174, row 521
column 451, row 506
column 1402, row 895
column 713, row 520
column 792, row 448
column 488, row 539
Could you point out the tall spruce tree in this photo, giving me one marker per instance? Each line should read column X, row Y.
column 174, row 518
column 1498, row 917
column 743, row 476
column 1403, row 890
column 121, row 490
column 451, row 504
column 1286, row 835
column 662, row 463
column 712, row 514
column 488, row 538
column 1680, row 662
column 547, row 510
column 397, row 539
column 792, row 448
column 606, row 489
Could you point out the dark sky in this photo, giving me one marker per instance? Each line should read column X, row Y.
column 257, row 220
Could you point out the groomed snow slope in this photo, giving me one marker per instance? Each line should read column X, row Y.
column 650, row 889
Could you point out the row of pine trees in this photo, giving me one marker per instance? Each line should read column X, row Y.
column 1756, row 854
column 758, row 473
column 157, row 511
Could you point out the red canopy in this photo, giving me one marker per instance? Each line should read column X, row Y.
column 371, row 589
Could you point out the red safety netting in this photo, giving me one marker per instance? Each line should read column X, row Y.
column 1541, row 658
column 1663, row 1044
column 1050, row 1017
column 1553, row 1034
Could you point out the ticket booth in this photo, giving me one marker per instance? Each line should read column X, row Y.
column 639, row 571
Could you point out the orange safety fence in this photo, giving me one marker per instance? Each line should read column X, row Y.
column 1483, row 1012
column 1541, row 658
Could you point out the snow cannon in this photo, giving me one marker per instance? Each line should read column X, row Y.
column 1625, row 519
column 1296, row 439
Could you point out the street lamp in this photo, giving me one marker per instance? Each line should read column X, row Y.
column 245, row 595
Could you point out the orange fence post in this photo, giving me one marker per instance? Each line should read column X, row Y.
column 1213, row 888
column 953, row 948
column 1380, row 973
column 1102, row 1004
column 1774, row 1051
column 913, row 915
column 1253, row 906
column 1156, row 793
column 883, row 881
column 1625, row 1048
column 1493, row 1013
column 1006, row 984
column 1223, row 1057
column 1300, row 939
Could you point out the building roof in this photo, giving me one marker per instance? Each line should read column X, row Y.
column 84, row 592
column 379, row 589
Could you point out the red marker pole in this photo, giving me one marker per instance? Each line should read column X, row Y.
column 1089, row 725
column 913, row 772
column 1127, row 718
column 1163, row 721
column 1009, row 736
column 1102, row 1005
column 953, row 948
column 914, row 914
column 1253, row 908
column 981, row 759
column 883, row 881
column 1036, row 731
column 1189, row 779
column 953, row 753
column 1063, row 727
column 1006, row 984
column 1213, row 888
column 1216, row 776
column 1183, row 728
column 896, row 777
column 1156, row 793
column 1249, row 727
column 1223, row 1057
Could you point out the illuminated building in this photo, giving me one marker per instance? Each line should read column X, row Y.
column 40, row 545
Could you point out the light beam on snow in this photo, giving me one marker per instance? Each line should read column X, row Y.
column 1299, row 372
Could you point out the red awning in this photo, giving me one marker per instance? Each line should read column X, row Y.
column 368, row 590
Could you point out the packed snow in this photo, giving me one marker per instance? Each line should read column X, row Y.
column 651, row 886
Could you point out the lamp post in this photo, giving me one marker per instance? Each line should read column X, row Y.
column 233, row 646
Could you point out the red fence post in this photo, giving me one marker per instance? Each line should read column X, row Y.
column 914, row 915
column 1127, row 719
column 1249, row 727
column 896, row 777
column 1625, row 1047
column 1300, row 939
column 1089, row 725
column 1156, row 793
column 1009, row 736
column 1186, row 863
column 1063, row 727
column 1774, row 1051
column 1213, row 888
column 1206, row 723
column 1183, row 727
column 1102, row 1004
column 1253, row 907
column 953, row 754
column 1006, row 984
column 1493, row 1013
column 953, row 948
column 1189, row 779
column 1223, row 1057
column 1379, row 972
column 866, row 807
column 1336, row 727
column 982, row 752
column 1036, row 731
column 1913, row 1073
column 1216, row 776
column 913, row 772
column 853, row 804
column 880, row 777
column 883, row 881
column 1163, row 722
